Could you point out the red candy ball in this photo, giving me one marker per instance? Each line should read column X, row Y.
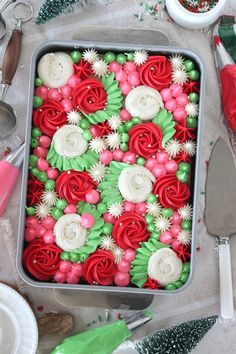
column 44, row 141
column 122, row 279
column 123, row 266
column 30, row 234
column 48, row 222
column 60, row 277
column 52, row 173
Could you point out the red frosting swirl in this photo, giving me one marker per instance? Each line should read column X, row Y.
column 49, row 117
column 34, row 191
column 156, row 72
column 41, row 260
column 151, row 284
column 89, row 96
column 129, row 230
column 183, row 133
column 99, row 130
column 172, row 193
column 83, row 69
column 73, row 186
column 145, row 139
column 99, row 268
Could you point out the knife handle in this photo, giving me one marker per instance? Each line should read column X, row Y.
column 226, row 289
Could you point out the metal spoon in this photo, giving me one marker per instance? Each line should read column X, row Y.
column 3, row 25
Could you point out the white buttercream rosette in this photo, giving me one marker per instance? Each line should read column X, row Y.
column 54, row 69
column 69, row 142
column 69, row 233
column 143, row 102
column 135, row 183
column 164, row 266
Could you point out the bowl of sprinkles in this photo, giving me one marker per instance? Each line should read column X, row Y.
column 195, row 14
column 111, row 168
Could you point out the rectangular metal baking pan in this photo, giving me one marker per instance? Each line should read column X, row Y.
column 51, row 46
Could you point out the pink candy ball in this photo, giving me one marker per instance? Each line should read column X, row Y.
column 48, row 222
column 30, row 234
column 122, row 279
column 162, row 157
column 31, row 222
column 182, row 100
column 73, row 81
column 129, row 157
column 159, row 170
column 121, row 76
column 48, row 237
column 67, row 104
column 125, row 115
column 128, row 206
column 65, row 91
column 42, row 92
column 40, row 152
column 42, row 164
column 150, row 163
column 72, row 278
column 140, row 208
column 166, row 237
column 52, row 173
column 166, row 94
column 179, row 114
column 114, row 67
column 176, row 218
column 129, row 67
column 171, row 105
column 125, row 87
column 123, row 266
column 106, row 157
column 118, row 155
column 171, row 166
column 54, row 95
column 129, row 255
column 87, row 220
column 92, row 197
column 60, row 277
column 175, row 230
column 65, row 266
column 134, row 78
column 176, row 90
column 40, row 231
column 70, row 209
column 109, row 218
column 44, row 141
column 77, row 269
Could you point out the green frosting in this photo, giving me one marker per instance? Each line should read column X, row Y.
column 165, row 121
column 114, row 101
column 109, row 187
column 80, row 163
column 139, row 266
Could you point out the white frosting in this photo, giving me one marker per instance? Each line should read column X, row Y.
column 135, row 183
column 69, row 232
column 54, row 69
column 164, row 266
column 69, row 142
column 143, row 102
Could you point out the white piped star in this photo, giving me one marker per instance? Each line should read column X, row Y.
column 49, row 197
column 153, row 209
column 189, row 147
column 113, row 141
column 116, row 209
column 184, row 237
column 162, row 224
column 114, row 122
column 97, row 172
column 107, row 243
column 73, row 117
column 173, row 147
column 186, row 212
column 118, row 254
column 176, row 61
column 90, row 55
column 192, row 109
column 97, row 145
column 179, row 76
column 100, row 68
column 42, row 210
column 140, row 57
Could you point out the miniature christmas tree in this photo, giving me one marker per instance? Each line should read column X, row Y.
column 180, row 339
column 52, row 8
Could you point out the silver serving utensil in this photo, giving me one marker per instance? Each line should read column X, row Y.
column 220, row 217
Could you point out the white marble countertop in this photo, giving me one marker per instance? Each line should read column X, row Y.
column 201, row 298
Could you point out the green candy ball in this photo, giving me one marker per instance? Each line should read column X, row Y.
column 30, row 211
column 36, row 133
column 42, row 177
column 34, row 171
column 61, row 204
column 155, row 235
column 124, row 147
column 50, row 184
column 151, row 228
column 149, row 219
column 34, row 142
column 167, row 212
column 186, row 267
column 37, row 101
column 102, row 208
column 109, row 57
column 33, row 159
column 152, row 198
column 184, row 166
column 76, row 56
column 194, row 75
column 38, row 82
column 56, row 213
column 65, row 256
column 170, row 287
column 121, row 59
column 193, row 97
column 87, row 135
column 107, row 228
column 130, row 56
column 136, row 120
column 141, row 161
column 128, row 125
column 74, row 257
column 191, row 122
column 178, row 284
column 186, row 225
column 182, row 176
column 125, row 137
column 184, row 277
column 189, row 65
column 84, row 123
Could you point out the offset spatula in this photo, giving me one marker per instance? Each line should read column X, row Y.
column 220, row 217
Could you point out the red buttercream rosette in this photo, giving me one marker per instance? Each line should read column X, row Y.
column 99, row 268
column 49, row 117
column 171, row 192
column 83, row 69
column 41, row 260
column 145, row 139
column 73, row 186
column 156, row 72
column 89, row 96
column 34, row 191
column 129, row 230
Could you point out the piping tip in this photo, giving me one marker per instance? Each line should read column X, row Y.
column 138, row 319
column 16, row 156
column 223, row 58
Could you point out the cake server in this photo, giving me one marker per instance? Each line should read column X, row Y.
column 220, row 217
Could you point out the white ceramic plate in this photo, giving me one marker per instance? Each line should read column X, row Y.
column 18, row 326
